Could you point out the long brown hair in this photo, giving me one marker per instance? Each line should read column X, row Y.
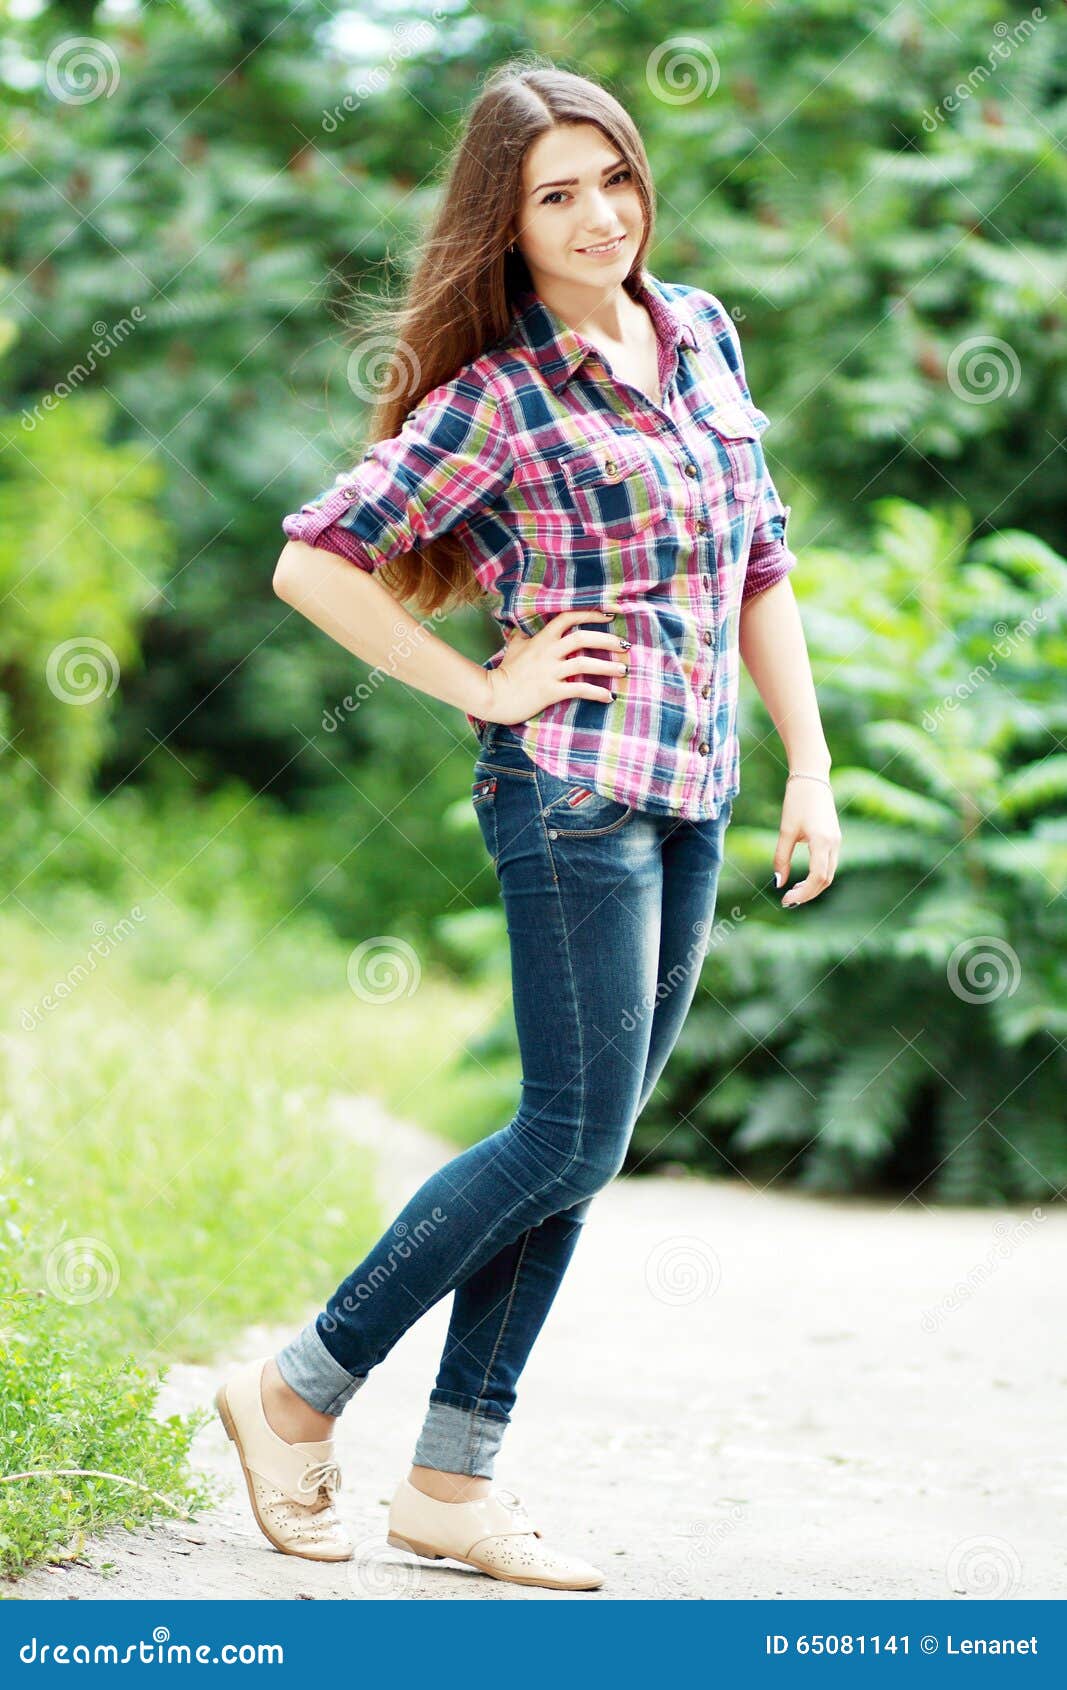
column 458, row 300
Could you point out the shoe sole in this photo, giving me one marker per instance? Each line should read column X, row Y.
column 397, row 1542
column 223, row 1409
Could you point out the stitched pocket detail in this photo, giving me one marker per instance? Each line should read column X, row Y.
column 614, row 488
column 483, row 795
column 575, row 810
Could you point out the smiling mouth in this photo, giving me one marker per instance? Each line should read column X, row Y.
column 604, row 246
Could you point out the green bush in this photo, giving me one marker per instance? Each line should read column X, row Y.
column 81, row 1446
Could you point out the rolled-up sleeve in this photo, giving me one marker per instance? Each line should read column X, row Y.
column 769, row 557
column 451, row 458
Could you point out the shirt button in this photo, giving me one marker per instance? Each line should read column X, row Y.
column 705, row 691
column 611, row 467
column 690, row 468
column 708, row 636
column 702, row 526
column 703, row 748
column 347, row 492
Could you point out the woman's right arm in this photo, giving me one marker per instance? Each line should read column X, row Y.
column 353, row 607
column 452, row 457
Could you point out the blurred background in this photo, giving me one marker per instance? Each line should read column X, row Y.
column 240, row 871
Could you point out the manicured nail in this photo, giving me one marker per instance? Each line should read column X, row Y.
column 777, row 878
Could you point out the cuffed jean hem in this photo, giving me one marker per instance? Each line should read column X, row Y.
column 459, row 1440
column 313, row 1373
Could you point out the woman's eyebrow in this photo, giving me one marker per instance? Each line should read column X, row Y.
column 570, row 181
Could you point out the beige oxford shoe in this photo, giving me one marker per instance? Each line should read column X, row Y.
column 290, row 1486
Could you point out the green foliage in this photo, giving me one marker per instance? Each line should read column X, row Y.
column 71, row 1398
column 80, row 567
column 906, row 1028
column 171, row 1170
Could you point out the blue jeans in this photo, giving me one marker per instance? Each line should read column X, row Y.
column 609, row 911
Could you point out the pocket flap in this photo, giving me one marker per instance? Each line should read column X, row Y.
column 737, row 422
column 606, row 461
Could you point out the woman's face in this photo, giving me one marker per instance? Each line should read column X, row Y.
column 578, row 193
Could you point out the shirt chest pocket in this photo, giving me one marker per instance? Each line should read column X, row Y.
column 613, row 488
column 737, row 430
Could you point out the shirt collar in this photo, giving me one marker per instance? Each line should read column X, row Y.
column 559, row 350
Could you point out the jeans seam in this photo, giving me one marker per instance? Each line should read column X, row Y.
column 577, row 1015
column 480, row 1398
column 561, row 1176
column 542, row 808
column 581, row 1133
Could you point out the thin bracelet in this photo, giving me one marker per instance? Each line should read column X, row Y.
column 796, row 775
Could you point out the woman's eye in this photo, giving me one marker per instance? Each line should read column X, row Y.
column 619, row 176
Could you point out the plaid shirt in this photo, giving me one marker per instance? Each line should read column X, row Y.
column 570, row 488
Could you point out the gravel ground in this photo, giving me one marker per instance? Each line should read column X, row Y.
column 737, row 1394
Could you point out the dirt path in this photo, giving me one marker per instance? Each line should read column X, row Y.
column 737, row 1394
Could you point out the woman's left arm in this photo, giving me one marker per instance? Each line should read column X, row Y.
column 775, row 653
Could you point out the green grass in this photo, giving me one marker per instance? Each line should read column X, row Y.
column 170, row 1175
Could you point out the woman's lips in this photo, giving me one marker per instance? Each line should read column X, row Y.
column 601, row 249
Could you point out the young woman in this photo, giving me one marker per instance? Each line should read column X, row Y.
column 578, row 448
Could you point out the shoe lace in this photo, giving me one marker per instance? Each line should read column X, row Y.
column 322, row 1477
column 517, row 1507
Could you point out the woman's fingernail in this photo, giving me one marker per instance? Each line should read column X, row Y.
column 777, row 878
